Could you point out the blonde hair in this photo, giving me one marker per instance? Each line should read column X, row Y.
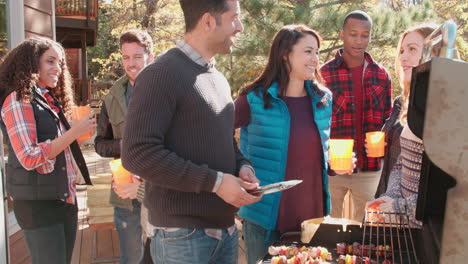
column 424, row 30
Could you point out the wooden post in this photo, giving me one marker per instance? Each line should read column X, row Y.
column 87, row 12
column 84, row 70
column 4, row 246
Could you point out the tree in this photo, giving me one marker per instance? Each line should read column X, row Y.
column 161, row 18
column 101, row 58
column 263, row 18
column 458, row 11
column 399, row 5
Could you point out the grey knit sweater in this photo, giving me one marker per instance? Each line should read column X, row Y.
column 179, row 133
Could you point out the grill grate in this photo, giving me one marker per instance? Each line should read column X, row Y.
column 392, row 236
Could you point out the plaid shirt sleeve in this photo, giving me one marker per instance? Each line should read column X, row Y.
column 21, row 128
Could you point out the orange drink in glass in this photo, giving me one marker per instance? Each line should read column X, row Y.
column 375, row 144
column 341, row 154
column 120, row 175
column 78, row 113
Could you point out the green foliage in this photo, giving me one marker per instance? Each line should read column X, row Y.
column 458, row 11
column 262, row 19
column 115, row 17
column 101, row 58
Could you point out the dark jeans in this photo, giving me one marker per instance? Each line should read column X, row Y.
column 147, row 252
column 127, row 223
column 52, row 244
column 256, row 242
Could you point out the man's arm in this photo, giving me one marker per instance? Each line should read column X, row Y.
column 241, row 160
column 244, row 167
column 104, row 143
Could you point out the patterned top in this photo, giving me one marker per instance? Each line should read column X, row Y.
column 392, row 129
column 21, row 128
column 376, row 103
column 403, row 185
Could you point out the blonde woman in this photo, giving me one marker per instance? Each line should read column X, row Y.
column 399, row 183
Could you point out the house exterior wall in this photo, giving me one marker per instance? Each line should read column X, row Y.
column 73, row 57
column 3, row 28
column 38, row 18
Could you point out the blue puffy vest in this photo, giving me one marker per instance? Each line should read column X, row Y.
column 265, row 143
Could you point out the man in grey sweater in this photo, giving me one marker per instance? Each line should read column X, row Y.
column 179, row 138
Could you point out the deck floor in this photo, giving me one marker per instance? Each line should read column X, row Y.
column 96, row 243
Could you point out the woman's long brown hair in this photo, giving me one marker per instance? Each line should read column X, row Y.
column 424, row 30
column 19, row 71
column 277, row 68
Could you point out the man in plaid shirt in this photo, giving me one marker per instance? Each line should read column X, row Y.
column 361, row 102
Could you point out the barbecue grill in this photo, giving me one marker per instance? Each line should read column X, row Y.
column 393, row 232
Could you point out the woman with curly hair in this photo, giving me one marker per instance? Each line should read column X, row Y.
column 45, row 161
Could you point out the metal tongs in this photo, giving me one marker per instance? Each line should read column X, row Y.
column 274, row 187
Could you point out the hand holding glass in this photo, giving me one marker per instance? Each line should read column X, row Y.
column 79, row 113
column 120, row 175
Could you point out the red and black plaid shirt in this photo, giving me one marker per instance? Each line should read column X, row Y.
column 376, row 105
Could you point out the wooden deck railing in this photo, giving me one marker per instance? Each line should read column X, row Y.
column 97, row 91
column 85, row 8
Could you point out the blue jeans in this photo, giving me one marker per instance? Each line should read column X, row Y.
column 256, row 244
column 188, row 245
column 127, row 223
column 52, row 244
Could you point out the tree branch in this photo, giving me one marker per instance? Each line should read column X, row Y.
column 330, row 3
column 333, row 47
column 328, row 50
column 151, row 6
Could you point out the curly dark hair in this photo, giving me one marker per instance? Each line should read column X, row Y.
column 19, row 71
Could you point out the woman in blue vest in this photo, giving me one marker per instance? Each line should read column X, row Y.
column 45, row 162
column 285, row 116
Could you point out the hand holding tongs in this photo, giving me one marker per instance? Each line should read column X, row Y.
column 274, row 187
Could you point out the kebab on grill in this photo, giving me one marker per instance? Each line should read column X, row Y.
column 299, row 255
column 349, row 259
column 367, row 250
